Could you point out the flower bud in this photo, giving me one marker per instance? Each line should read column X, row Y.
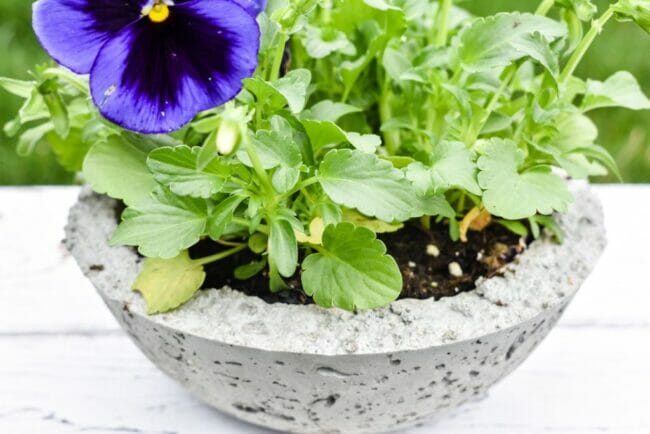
column 228, row 137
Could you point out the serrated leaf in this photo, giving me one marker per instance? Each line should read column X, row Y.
column 177, row 168
column 118, row 168
column 451, row 165
column 283, row 247
column 166, row 284
column 497, row 41
column 619, row 90
column 289, row 90
column 514, row 195
column 351, row 271
column 163, row 227
column 363, row 181
column 321, row 42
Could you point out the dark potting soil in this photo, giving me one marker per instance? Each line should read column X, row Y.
column 432, row 264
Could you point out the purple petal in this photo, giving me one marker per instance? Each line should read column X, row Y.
column 253, row 7
column 73, row 31
column 154, row 78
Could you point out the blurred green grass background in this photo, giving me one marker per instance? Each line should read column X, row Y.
column 621, row 46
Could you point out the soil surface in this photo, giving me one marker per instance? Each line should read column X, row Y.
column 432, row 264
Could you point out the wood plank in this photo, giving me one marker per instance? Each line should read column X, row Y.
column 581, row 380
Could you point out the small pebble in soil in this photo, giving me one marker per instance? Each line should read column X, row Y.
column 433, row 250
column 455, row 270
column 412, row 264
column 434, row 284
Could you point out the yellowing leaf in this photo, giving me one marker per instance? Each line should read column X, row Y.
column 166, row 284
column 316, row 229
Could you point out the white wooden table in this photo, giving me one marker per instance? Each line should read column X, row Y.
column 65, row 366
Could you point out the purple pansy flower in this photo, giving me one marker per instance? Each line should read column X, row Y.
column 153, row 64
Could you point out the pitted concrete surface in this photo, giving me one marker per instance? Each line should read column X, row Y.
column 306, row 369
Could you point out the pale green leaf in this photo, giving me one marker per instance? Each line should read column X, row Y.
column 289, row 90
column 163, row 227
column 283, row 247
column 328, row 111
column 166, row 284
column 514, row 195
column 19, row 88
column 497, row 41
column 451, row 166
column 324, row 133
column 619, row 90
column 222, row 215
column 634, row 10
column 321, row 42
column 177, row 168
column 351, row 271
column 118, row 168
column 363, row 181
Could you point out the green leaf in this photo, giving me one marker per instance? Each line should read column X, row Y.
column 584, row 9
column 497, row 41
column 289, row 90
column 435, row 205
column 285, row 178
column 351, row 271
column 451, row 165
column 31, row 137
column 118, row 167
column 634, row 10
column 168, row 283
column 363, row 181
column 19, row 88
column 177, row 168
column 619, row 90
column 514, row 195
column 221, row 216
column 514, row 226
column 328, row 111
column 71, row 151
column 324, row 133
column 246, row 271
column 321, row 42
column 274, row 148
column 163, row 227
column 283, row 247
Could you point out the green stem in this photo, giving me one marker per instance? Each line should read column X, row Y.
column 220, row 256
column 441, row 27
column 243, row 222
column 544, row 7
column 258, row 166
column 304, row 184
column 277, row 57
column 583, row 46
column 391, row 138
column 505, row 82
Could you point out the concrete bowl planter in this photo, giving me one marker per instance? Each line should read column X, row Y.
column 310, row 370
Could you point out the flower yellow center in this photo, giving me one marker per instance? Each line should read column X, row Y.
column 159, row 12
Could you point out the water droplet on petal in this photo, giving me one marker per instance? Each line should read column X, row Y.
column 162, row 113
